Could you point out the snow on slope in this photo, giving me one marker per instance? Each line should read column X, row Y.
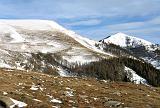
column 33, row 24
column 18, row 104
column 44, row 25
column 86, row 42
column 20, row 38
column 124, row 40
column 134, row 77
column 13, row 34
column 121, row 40
column 79, row 55
column 154, row 62
column 64, row 73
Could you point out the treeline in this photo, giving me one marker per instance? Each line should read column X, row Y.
column 41, row 62
column 115, row 49
column 140, row 51
column 107, row 69
column 143, row 69
column 47, row 63
column 113, row 69
column 157, row 52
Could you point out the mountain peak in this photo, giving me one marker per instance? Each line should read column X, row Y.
column 120, row 34
column 125, row 40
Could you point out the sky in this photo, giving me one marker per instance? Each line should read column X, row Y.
column 95, row 19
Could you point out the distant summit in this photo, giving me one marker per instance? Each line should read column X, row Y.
column 125, row 40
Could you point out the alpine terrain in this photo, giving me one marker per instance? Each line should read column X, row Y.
column 44, row 65
column 140, row 47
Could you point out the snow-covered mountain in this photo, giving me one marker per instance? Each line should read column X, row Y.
column 21, row 41
column 125, row 40
column 140, row 47
column 45, row 46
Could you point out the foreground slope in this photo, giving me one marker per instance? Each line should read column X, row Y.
column 46, row 91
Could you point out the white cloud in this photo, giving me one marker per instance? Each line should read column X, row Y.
column 77, row 11
column 136, row 25
column 149, row 29
column 126, row 26
column 80, row 8
column 155, row 20
column 91, row 22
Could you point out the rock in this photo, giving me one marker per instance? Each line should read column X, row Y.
column 108, row 99
column 5, row 102
column 114, row 104
column 117, row 93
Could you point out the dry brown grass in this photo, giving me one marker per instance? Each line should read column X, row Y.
column 86, row 93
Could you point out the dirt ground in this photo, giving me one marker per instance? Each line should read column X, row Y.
column 40, row 90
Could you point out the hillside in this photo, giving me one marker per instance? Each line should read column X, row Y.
column 43, row 65
column 45, row 46
column 37, row 90
column 137, row 46
column 125, row 40
column 20, row 40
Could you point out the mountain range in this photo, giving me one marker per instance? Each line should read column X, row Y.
column 44, row 46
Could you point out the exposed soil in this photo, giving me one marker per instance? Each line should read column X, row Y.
column 40, row 90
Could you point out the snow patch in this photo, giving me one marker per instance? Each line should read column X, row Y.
column 80, row 59
column 56, row 101
column 155, row 63
column 16, row 37
column 37, row 100
column 5, row 93
column 34, row 88
column 18, row 103
column 63, row 72
column 134, row 77
column 4, row 65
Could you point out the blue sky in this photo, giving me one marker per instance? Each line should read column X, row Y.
column 95, row 19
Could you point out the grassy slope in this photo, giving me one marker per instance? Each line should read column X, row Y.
column 86, row 92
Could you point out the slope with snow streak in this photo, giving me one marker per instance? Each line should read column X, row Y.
column 134, row 77
column 20, row 39
column 11, row 33
column 13, row 36
column 18, row 104
column 86, row 42
column 53, row 26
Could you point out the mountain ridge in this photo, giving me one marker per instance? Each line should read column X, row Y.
column 133, row 44
column 45, row 46
column 25, row 44
column 121, row 40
